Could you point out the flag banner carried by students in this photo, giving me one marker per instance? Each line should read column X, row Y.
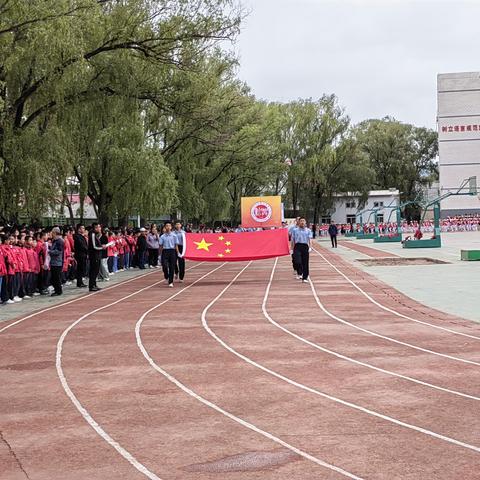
column 261, row 212
column 236, row 247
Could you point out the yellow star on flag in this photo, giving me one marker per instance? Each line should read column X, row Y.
column 203, row 245
column 221, row 238
column 228, row 250
column 228, row 243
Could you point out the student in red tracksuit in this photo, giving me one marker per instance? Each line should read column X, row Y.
column 3, row 273
column 34, row 265
column 24, row 270
column 67, row 260
column 12, row 265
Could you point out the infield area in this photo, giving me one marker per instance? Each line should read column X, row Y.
column 241, row 373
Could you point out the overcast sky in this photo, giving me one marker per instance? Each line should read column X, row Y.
column 379, row 57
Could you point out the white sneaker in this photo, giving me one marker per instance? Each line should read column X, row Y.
column 17, row 299
column 27, row 297
column 299, row 277
column 305, row 281
column 10, row 301
column 170, row 285
column 181, row 281
column 68, row 283
column 50, row 289
column 36, row 294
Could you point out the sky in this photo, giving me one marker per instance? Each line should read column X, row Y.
column 379, row 57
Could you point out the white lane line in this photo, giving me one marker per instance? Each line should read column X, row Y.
column 390, row 310
column 322, row 394
column 384, row 337
column 350, row 359
column 82, row 410
column 83, row 297
column 218, row 409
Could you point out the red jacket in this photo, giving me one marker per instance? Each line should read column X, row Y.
column 33, row 260
column 3, row 265
column 11, row 258
column 67, row 255
column 23, row 257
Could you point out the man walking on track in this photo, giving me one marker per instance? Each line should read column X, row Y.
column 301, row 243
column 169, row 250
column 95, row 249
column 180, row 265
column 80, row 248
column 333, row 232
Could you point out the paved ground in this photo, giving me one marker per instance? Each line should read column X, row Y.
column 70, row 292
column 242, row 373
column 452, row 288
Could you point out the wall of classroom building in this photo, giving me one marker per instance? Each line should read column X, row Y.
column 458, row 138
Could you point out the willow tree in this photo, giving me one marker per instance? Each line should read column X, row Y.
column 54, row 54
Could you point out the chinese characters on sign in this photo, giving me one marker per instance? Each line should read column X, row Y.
column 461, row 128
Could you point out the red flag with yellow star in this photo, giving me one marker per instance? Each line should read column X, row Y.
column 236, row 247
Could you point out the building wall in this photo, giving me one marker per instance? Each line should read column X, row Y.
column 341, row 211
column 459, row 137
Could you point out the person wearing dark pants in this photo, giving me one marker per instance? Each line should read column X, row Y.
column 169, row 249
column 80, row 249
column 301, row 243
column 142, row 248
column 333, row 232
column 95, row 250
column 56, row 261
column 180, row 263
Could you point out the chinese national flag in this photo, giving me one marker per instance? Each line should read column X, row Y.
column 236, row 247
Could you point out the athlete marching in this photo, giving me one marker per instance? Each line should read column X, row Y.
column 301, row 245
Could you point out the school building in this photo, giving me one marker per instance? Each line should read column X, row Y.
column 347, row 206
column 458, row 121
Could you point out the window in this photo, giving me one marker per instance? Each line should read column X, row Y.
column 377, row 204
column 326, row 219
column 351, row 219
column 380, row 218
column 350, row 204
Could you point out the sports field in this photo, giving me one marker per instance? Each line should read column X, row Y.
column 241, row 373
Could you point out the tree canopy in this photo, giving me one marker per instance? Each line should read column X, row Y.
column 138, row 102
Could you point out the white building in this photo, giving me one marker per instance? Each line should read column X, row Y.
column 347, row 207
column 459, row 138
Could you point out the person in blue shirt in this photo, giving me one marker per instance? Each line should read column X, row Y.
column 169, row 250
column 291, row 228
column 180, row 263
column 301, row 246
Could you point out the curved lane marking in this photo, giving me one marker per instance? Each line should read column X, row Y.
column 350, row 359
column 318, row 392
column 220, row 410
column 390, row 310
column 82, row 410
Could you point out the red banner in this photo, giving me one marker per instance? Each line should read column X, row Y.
column 236, row 247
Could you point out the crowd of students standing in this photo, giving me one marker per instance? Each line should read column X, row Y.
column 36, row 261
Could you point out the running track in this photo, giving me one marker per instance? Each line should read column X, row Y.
column 241, row 373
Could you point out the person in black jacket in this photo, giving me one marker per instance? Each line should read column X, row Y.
column 333, row 232
column 95, row 249
column 80, row 250
column 142, row 248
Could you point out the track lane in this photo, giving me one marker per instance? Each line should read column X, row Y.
column 416, row 446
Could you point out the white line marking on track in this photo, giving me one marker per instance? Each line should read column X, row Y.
column 218, row 409
column 77, row 300
column 350, row 359
column 83, row 411
column 390, row 310
column 384, row 337
column 322, row 394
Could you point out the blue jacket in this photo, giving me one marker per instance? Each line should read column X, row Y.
column 56, row 253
